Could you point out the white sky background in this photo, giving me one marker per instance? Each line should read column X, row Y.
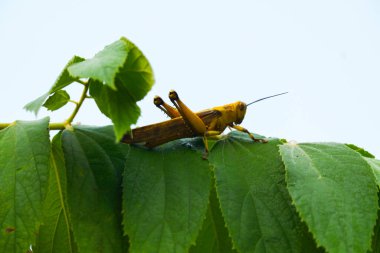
column 326, row 54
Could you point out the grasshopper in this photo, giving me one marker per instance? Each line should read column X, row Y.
column 184, row 123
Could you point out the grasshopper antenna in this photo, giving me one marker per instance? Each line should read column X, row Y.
column 266, row 98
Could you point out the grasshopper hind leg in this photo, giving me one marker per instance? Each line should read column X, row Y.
column 167, row 109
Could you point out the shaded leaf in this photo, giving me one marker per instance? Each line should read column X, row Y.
column 334, row 192
column 24, row 170
column 55, row 234
column 136, row 75
column 120, row 75
column 57, row 100
column 213, row 237
column 94, row 164
column 116, row 105
column 63, row 80
column 255, row 204
column 165, row 197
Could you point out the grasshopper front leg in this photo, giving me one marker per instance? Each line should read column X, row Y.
column 242, row 129
column 192, row 120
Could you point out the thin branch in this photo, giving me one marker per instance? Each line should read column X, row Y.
column 74, row 102
column 81, row 82
column 78, row 105
column 67, row 123
column 52, row 126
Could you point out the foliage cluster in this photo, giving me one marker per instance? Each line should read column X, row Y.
column 84, row 192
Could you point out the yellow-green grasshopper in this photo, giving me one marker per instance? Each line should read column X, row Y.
column 184, row 123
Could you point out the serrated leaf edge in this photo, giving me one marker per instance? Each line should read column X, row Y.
column 318, row 244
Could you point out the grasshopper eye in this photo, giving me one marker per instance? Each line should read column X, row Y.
column 242, row 107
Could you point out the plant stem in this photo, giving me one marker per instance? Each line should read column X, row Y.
column 67, row 123
column 81, row 82
column 52, row 126
column 77, row 106
column 57, row 126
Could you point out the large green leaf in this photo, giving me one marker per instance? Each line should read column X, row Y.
column 334, row 192
column 136, row 75
column 120, row 75
column 121, row 62
column 165, row 198
column 24, row 170
column 55, row 234
column 94, row 164
column 104, row 65
column 256, row 206
column 117, row 105
column 62, row 81
column 376, row 233
column 375, row 165
column 213, row 237
column 362, row 151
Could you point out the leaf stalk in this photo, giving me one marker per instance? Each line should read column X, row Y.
column 67, row 123
column 70, row 119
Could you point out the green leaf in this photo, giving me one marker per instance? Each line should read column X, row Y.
column 334, row 192
column 362, row 151
column 213, row 237
column 121, row 62
column 63, row 80
column 376, row 233
column 136, row 75
column 55, row 234
column 255, row 204
column 375, row 165
column 120, row 75
column 94, row 164
column 57, row 100
column 164, row 198
column 116, row 105
column 104, row 65
column 24, row 170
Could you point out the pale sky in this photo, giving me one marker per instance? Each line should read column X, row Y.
column 326, row 54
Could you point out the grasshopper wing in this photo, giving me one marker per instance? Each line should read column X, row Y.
column 159, row 133
column 173, row 129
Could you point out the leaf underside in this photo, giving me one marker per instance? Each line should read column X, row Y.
column 120, row 76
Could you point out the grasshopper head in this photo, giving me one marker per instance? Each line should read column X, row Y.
column 240, row 109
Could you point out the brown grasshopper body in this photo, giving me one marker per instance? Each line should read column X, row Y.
column 186, row 124
column 177, row 128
